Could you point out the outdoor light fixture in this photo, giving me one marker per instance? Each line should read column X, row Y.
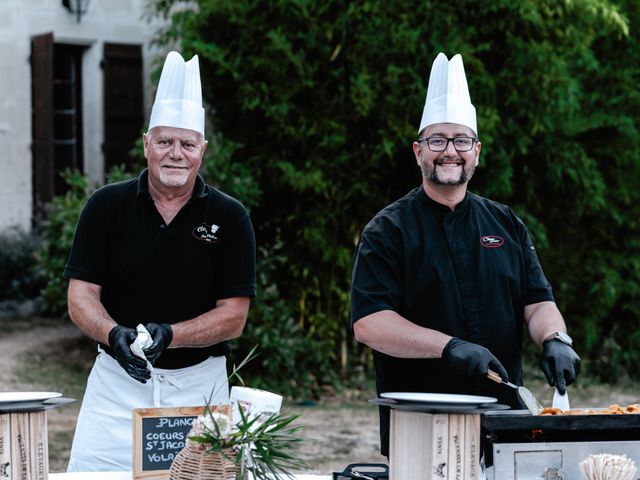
column 79, row 7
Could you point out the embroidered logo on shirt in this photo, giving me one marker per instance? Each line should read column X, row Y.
column 491, row 241
column 206, row 233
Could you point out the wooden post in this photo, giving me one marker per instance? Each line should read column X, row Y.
column 24, row 449
column 39, row 445
column 20, row 451
column 5, row 445
column 434, row 446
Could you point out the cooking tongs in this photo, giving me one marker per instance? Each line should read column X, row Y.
column 531, row 402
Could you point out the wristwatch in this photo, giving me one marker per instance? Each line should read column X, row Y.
column 563, row 337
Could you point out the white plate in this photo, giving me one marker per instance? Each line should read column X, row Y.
column 441, row 398
column 10, row 397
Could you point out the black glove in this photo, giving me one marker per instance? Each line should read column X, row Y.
column 560, row 364
column 471, row 360
column 162, row 334
column 119, row 340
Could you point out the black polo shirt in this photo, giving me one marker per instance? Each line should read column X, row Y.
column 468, row 273
column 153, row 272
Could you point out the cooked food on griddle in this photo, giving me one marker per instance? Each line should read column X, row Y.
column 610, row 410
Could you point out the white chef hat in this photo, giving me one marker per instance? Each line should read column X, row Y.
column 448, row 99
column 179, row 96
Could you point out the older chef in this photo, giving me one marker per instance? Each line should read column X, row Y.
column 169, row 253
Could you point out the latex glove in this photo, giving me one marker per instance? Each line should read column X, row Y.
column 161, row 334
column 560, row 364
column 471, row 360
column 120, row 339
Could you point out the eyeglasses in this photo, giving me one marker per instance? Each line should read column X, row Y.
column 440, row 144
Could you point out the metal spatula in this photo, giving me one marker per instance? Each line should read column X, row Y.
column 561, row 401
column 531, row 402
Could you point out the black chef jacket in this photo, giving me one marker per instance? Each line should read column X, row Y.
column 150, row 271
column 468, row 273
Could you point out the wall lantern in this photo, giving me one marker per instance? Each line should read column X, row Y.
column 79, row 7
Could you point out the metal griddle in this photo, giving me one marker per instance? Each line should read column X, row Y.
column 521, row 446
column 510, row 420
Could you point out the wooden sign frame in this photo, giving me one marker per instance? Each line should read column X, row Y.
column 139, row 414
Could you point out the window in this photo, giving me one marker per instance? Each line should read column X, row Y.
column 57, row 113
column 67, row 112
column 123, row 99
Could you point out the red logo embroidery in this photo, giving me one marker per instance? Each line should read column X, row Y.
column 491, row 241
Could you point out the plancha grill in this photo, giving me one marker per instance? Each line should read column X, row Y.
column 518, row 445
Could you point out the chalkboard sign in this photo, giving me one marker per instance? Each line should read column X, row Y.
column 158, row 436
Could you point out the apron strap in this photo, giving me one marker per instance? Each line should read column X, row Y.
column 158, row 380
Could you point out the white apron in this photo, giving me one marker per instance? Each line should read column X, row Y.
column 103, row 440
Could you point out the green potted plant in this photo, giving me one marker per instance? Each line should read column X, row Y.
column 255, row 447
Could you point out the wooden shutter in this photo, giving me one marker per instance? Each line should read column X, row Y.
column 123, row 102
column 42, row 120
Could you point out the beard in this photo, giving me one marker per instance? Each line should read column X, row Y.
column 430, row 172
column 174, row 179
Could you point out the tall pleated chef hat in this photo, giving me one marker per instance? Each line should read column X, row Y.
column 448, row 99
column 179, row 97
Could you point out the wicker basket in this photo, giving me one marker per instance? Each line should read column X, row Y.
column 194, row 463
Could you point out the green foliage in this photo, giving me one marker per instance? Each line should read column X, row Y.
column 20, row 278
column 315, row 105
column 262, row 444
column 235, row 178
column 57, row 234
column 290, row 356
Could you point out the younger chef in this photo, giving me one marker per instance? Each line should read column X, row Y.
column 444, row 281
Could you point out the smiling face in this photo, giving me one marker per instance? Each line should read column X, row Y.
column 174, row 156
column 449, row 167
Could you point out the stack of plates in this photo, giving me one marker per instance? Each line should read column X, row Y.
column 449, row 402
column 11, row 402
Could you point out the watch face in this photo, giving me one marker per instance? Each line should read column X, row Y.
column 563, row 337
